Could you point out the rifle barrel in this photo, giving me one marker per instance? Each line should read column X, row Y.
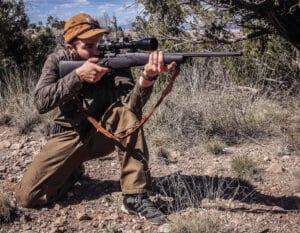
column 209, row 54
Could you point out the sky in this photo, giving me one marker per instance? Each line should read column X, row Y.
column 124, row 10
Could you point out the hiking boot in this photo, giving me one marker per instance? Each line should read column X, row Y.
column 142, row 206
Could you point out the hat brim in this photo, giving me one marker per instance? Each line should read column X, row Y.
column 92, row 33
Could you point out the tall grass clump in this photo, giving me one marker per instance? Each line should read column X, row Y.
column 205, row 103
column 16, row 100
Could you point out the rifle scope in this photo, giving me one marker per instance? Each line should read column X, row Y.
column 146, row 44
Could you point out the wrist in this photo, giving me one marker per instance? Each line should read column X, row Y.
column 148, row 78
column 77, row 71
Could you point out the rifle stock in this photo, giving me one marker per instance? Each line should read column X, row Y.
column 127, row 60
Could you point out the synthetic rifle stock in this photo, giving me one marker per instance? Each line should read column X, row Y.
column 118, row 60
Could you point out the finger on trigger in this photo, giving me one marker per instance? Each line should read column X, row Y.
column 93, row 59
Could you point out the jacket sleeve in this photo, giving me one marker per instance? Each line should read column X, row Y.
column 51, row 90
column 130, row 93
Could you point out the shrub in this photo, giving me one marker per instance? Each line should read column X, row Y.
column 215, row 145
column 244, row 166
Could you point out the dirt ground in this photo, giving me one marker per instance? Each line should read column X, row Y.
column 191, row 184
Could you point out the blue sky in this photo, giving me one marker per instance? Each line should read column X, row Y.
column 124, row 10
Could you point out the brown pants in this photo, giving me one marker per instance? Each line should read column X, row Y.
column 65, row 152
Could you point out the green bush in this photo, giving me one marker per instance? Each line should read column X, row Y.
column 268, row 63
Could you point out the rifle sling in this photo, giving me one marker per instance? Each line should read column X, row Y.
column 108, row 134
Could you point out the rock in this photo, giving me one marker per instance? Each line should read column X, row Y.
column 165, row 228
column 2, row 169
column 59, row 222
column 5, row 144
column 137, row 226
column 55, row 230
column 16, row 146
column 83, row 216
column 275, row 168
column 57, row 206
column 297, row 194
column 286, row 157
column 26, row 218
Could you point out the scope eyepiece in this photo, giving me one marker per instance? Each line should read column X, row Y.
column 146, row 44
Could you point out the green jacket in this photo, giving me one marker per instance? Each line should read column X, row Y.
column 62, row 93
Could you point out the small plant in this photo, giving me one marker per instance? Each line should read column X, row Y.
column 215, row 146
column 195, row 224
column 244, row 166
column 7, row 212
column 293, row 138
column 297, row 181
column 163, row 154
column 110, row 229
column 5, row 119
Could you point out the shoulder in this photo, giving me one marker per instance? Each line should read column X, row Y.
column 60, row 54
column 55, row 57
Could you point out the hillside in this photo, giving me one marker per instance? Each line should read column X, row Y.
column 195, row 186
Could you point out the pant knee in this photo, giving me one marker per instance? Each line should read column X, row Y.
column 27, row 199
column 23, row 198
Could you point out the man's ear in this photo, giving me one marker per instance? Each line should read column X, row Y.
column 72, row 50
column 69, row 46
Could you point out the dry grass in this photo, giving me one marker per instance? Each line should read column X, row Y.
column 204, row 104
column 292, row 136
column 197, row 223
column 215, row 145
column 16, row 101
column 6, row 210
column 244, row 166
column 297, row 181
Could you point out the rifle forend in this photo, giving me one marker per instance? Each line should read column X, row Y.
column 127, row 60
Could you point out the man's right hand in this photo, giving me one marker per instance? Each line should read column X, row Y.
column 91, row 72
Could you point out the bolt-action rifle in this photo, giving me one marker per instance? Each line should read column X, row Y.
column 116, row 60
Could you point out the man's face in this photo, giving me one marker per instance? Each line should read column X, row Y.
column 87, row 48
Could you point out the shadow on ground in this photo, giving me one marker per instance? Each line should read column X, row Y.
column 185, row 191
column 189, row 191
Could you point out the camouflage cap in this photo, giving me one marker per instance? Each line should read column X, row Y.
column 81, row 26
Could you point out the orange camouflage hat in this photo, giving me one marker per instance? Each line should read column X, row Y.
column 82, row 26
